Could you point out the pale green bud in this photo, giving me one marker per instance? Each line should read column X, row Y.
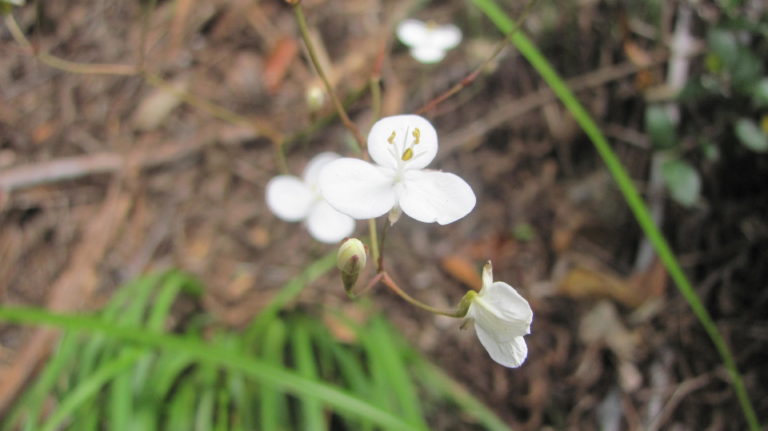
column 351, row 259
column 315, row 96
column 466, row 301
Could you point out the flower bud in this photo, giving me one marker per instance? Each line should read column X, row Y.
column 351, row 259
column 315, row 97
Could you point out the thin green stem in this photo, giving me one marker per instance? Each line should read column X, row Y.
column 387, row 280
column 302, row 22
column 631, row 195
column 146, row 13
column 374, row 240
column 380, row 261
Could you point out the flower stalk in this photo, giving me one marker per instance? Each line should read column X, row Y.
column 302, row 22
column 387, row 281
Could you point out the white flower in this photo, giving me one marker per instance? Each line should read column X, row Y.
column 428, row 41
column 295, row 199
column 501, row 319
column 401, row 146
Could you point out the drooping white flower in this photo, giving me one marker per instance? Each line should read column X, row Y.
column 401, row 146
column 501, row 318
column 428, row 41
column 295, row 199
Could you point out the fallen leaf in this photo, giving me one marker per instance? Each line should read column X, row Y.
column 581, row 282
column 278, row 62
column 462, row 270
column 637, row 55
column 157, row 105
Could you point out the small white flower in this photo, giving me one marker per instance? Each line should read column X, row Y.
column 295, row 199
column 428, row 41
column 401, row 146
column 502, row 317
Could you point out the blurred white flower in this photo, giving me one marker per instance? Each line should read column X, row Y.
column 294, row 199
column 401, row 146
column 428, row 41
column 501, row 318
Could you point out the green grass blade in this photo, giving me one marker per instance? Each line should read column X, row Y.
column 89, row 387
column 120, row 401
column 259, row 370
column 287, row 293
column 30, row 404
column 385, row 349
column 206, row 387
column 311, row 410
column 433, row 378
column 631, row 195
column 243, row 402
column 272, row 404
column 168, row 291
column 350, row 368
column 181, row 407
column 222, row 410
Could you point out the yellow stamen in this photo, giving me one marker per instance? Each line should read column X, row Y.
column 391, row 138
column 416, row 136
column 407, row 154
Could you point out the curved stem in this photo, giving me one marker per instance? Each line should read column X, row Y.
column 387, row 280
column 313, row 57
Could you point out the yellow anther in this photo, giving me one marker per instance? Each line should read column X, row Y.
column 416, row 135
column 407, row 154
column 391, row 138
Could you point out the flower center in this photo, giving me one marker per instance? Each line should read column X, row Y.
column 406, row 152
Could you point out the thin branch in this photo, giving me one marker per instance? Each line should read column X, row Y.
column 469, row 79
column 213, row 109
column 313, row 57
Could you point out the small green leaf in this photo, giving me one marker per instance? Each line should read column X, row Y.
column 751, row 136
column 746, row 72
column 683, row 182
column 724, row 45
column 524, row 232
column 660, row 128
column 710, row 151
column 761, row 93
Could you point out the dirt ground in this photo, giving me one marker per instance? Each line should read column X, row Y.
column 108, row 174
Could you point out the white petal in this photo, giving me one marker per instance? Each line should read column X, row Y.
column 325, row 224
column 428, row 54
column 289, row 198
column 487, row 275
column 400, row 130
column 503, row 310
column 433, row 196
column 412, row 32
column 312, row 171
column 445, row 37
column 357, row 188
column 507, row 353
